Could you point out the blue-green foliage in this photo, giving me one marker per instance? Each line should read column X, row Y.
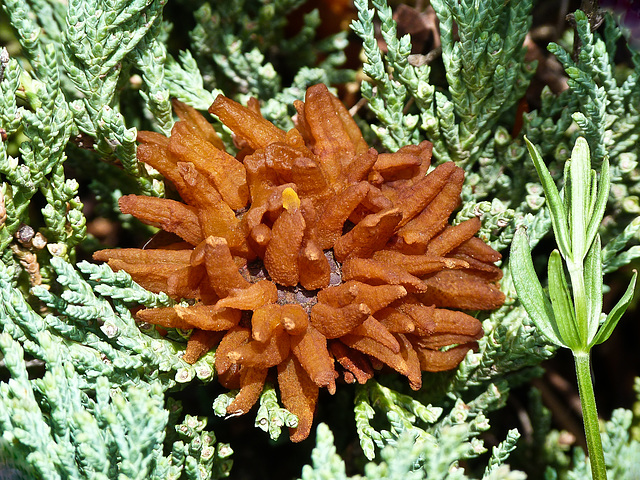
column 55, row 427
column 245, row 58
column 485, row 70
column 91, row 72
column 413, row 457
column 621, row 450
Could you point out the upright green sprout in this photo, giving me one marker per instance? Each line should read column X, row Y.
column 572, row 318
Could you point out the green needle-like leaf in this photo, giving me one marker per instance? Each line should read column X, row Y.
column 601, row 201
column 556, row 208
column 614, row 315
column 580, row 178
column 593, row 182
column 529, row 289
column 593, row 287
column 563, row 310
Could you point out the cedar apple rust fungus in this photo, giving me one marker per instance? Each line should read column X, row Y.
column 308, row 256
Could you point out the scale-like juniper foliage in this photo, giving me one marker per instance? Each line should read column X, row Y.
column 88, row 392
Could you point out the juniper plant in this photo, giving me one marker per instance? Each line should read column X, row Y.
column 572, row 318
column 88, row 73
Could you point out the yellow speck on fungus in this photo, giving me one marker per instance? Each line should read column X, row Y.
column 290, row 200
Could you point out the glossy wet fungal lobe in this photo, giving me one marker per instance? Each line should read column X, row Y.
column 308, row 256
